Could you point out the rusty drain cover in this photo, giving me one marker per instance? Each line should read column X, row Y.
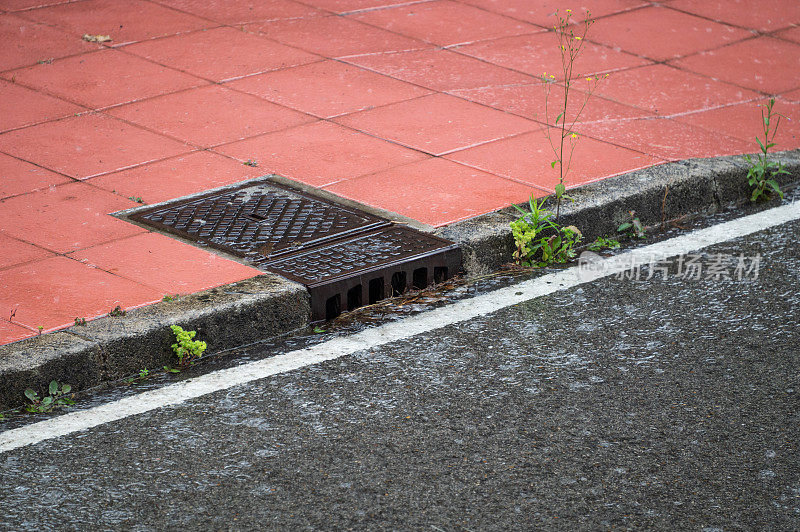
column 344, row 256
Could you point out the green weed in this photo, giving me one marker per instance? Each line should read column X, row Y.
column 762, row 171
column 540, row 241
column 251, row 162
column 81, row 322
column 186, row 348
column 57, row 398
column 602, row 243
column 632, row 227
column 117, row 311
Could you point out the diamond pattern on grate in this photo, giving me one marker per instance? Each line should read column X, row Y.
column 366, row 252
column 257, row 222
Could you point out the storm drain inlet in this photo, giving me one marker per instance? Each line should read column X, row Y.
column 345, row 257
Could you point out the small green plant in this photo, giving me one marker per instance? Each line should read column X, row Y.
column 632, row 227
column 170, row 369
column 170, row 297
column 57, row 397
column 251, row 162
column 143, row 375
column 137, row 199
column 540, row 241
column 81, row 322
column 762, row 171
column 187, row 349
column 571, row 38
column 318, row 330
column 602, row 243
column 40, row 329
column 117, row 311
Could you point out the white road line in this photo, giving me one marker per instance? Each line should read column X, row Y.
column 390, row 332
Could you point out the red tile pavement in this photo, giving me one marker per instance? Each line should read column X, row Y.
column 440, row 70
column 541, row 12
column 129, row 21
column 665, row 138
column 25, row 43
column 661, row 33
column 165, row 264
column 19, row 177
column 532, row 101
column 431, row 109
column 527, row 159
column 18, row 252
column 176, row 177
column 88, row 145
column 222, row 53
column 321, row 153
column 335, row 36
column 764, row 63
column 537, row 54
column 664, row 90
column 761, row 16
column 438, row 123
column 103, row 78
column 74, row 290
column 434, row 191
column 744, row 121
column 10, row 332
column 241, row 12
column 227, row 115
column 20, row 106
column 445, row 22
column 82, row 212
column 328, row 88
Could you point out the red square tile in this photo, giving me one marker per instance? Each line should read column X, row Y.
column 663, row 90
column 321, row 153
column 15, row 5
column 766, row 64
column 745, row 121
column 51, row 293
column 220, row 54
column 328, row 88
column 761, row 16
column 10, row 332
column 227, row 115
column 20, row 106
column 345, row 6
column 792, row 96
column 440, row 70
column 165, row 264
column 665, row 138
column 19, row 177
column 438, row 124
column 103, row 78
column 88, row 145
column 792, row 34
column 335, row 36
column 241, row 12
column 176, row 177
column 19, row 252
column 660, row 33
column 532, row 101
column 25, row 43
column 129, row 21
column 435, row 191
column 527, row 159
column 66, row 218
column 542, row 11
column 539, row 53
column 444, row 22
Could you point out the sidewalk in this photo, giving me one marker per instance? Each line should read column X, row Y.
column 428, row 109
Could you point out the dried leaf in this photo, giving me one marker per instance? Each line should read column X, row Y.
column 96, row 38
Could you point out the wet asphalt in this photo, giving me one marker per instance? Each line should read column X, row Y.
column 666, row 403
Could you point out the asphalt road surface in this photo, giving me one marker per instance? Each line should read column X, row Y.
column 668, row 401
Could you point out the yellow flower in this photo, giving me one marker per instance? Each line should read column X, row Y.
column 578, row 38
column 574, row 135
column 569, row 11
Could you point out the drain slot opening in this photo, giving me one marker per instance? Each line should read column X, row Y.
column 420, row 279
column 439, row 274
column 375, row 290
column 398, row 283
column 333, row 307
column 354, row 298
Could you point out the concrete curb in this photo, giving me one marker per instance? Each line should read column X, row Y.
column 255, row 309
column 657, row 194
column 113, row 347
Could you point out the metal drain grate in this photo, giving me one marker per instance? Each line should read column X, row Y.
column 346, row 257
